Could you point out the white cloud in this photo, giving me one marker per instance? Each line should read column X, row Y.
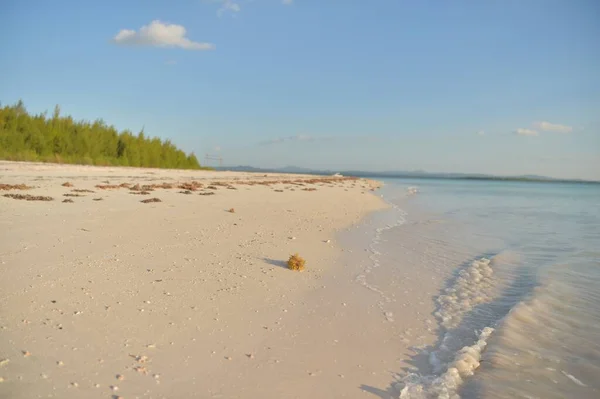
column 159, row 34
column 481, row 133
column 526, row 132
column 552, row 127
column 287, row 2
column 228, row 6
column 217, row 149
column 278, row 140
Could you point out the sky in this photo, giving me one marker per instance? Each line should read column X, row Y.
column 482, row 86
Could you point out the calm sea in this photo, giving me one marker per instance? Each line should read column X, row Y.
column 519, row 314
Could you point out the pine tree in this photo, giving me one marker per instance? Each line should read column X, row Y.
column 25, row 137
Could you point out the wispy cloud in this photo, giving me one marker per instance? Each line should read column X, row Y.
column 526, row 132
column 279, row 140
column 320, row 139
column 234, row 7
column 552, row 127
column 159, row 34
column 481, row 133
column 228, row 6
column 543, row 126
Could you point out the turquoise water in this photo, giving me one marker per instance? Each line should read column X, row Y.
column 519, row 316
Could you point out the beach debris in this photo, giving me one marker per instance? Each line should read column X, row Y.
column 28, row 197
column 113, row 186
column 141, row 370
column 74, row 384
column 296, row 262
column 231, row 210
column 207, row 193
column 190, row 186
column 26, row 353
column 68, row 200
column 114, row 388
column 309, row 189
column 67, row 184
column 327, row 241
column 278, row 191
column 250, row 356
column 120, row 377
column 4, row 362
column 73, row 195
column 227, row 357
column 212, row 187
column 82, row 190
column 1, row 380
column 188, row 192
column 7, row 187
column 97, row 199
column 140, row 192
column 149, row 200
column 292, row 238
column 140, row 358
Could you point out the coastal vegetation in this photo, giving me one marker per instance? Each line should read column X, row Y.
column 61, row 139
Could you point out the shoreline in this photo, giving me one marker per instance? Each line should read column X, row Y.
column 180, row 298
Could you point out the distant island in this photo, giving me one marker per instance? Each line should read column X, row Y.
column 419, row 174
column 60, row 139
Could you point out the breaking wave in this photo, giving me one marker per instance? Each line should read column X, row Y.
column 460, row 315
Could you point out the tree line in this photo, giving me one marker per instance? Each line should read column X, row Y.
column 26, row 137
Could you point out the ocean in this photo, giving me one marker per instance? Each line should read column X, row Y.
column 517, row 314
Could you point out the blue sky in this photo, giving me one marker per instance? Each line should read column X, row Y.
column 489, row 86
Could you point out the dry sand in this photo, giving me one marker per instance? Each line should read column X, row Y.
column 189, row 297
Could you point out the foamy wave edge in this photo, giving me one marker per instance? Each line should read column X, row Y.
column 471, row 287
column 446, row 386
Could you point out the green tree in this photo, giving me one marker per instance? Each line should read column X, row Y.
column 26, row 137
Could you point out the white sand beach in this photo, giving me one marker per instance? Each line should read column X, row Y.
column 107, row 296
